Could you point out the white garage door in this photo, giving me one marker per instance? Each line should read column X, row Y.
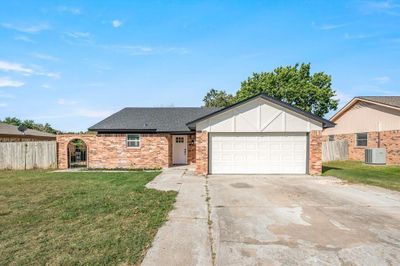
column 258, row 153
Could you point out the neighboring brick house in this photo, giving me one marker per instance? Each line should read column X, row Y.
column 260, row 135
column 10, row 133
column 368, row 122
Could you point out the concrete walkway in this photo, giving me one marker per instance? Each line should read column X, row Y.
column 184, row 239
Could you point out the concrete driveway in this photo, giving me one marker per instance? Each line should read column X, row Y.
column 277, row 220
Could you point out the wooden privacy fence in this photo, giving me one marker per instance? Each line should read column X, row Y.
column 28, row 155
column 335, row 150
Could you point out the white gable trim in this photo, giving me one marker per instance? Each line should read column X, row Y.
column 258, row 115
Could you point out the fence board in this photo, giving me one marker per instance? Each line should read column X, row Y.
column 28, row 155
column 335, row 150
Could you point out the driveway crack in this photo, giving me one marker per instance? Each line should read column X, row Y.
column 210, row 222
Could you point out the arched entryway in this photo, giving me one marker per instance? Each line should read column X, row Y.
column 77, row 154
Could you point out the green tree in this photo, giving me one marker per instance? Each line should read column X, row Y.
column 294, row 85
column 30, row 124
column 217, row 98
column 12, row 121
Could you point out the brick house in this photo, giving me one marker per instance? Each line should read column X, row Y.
column 368, row 122
column 10, row 133
column 260, row 135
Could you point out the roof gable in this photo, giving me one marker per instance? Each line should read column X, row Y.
column 294, row 110
column 387, row 101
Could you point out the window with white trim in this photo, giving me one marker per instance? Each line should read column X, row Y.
column 133, row 140
column 179, row 140
column 362, row 139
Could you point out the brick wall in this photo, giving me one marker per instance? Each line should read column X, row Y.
column 315, row 155
column 202, row 153
column 191, row 149
column 111, row 151
column 388, row 139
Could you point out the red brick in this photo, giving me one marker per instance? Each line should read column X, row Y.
column 388, row 139
column 315, row 155
column 110, row 151
column 202, row 153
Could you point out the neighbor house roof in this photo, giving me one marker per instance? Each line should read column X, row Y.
column 152, row 119
column 325, row 123
column 11, row 130
column 388, row 101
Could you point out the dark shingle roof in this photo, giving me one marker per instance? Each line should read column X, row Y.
column 6, row 129
column 389, row 100
column 157, row 119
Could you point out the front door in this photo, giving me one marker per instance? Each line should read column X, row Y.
column 179, row 144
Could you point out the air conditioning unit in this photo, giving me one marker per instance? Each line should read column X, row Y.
column 375, row 156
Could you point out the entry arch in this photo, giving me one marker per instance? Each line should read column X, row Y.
column 77, row 153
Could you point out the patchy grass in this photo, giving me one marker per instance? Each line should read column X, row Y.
column 78, row 218
column 353, row 171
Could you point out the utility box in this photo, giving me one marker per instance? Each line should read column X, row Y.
column 375, row 156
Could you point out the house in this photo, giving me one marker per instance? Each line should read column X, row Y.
column 10, row 133
column 368, row 122
column 260, row 135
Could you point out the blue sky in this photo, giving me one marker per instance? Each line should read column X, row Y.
column 72, row 63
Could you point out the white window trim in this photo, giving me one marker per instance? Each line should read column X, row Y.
column 132, row 147
column 361, row 146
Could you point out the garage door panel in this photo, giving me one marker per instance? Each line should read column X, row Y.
column 263, row 153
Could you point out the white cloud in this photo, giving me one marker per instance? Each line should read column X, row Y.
column 116, row 23
column 382, row 80
column 356, row 36
column 328, row 26
column 44, row 57
column 15, row 67
column 79, row 38
column 34, row 28
column 63, row 101
column 71, row 10
column 343, row 97
column 385, row 7
column 54, row 75
column 45, row 86
column 7, row 82
column 78, row 34
column 6, row 95
column 24, row 39
column 144, row 50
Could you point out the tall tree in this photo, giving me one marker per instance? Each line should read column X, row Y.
column 294, row 85
column 217, row 98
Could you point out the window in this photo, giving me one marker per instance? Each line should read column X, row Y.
column 362, row 139
column 331, row 138
column 179, row 140
column 133, row 140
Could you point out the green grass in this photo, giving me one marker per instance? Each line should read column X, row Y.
column 357, row 172
column 78, row 218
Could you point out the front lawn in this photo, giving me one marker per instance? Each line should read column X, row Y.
column 78, row 218
column 353, row 171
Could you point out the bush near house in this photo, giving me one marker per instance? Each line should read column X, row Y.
column 78, row 218
column 358, row 172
